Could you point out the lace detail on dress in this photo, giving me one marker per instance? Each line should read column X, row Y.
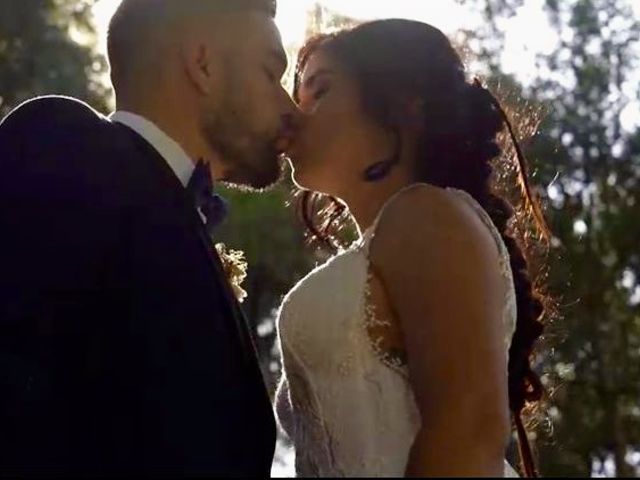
column 344, row 400
column 395, row 360
column 300, row 416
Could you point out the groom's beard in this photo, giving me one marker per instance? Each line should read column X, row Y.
column 254, row 163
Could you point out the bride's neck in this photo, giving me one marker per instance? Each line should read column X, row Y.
column 366, row 201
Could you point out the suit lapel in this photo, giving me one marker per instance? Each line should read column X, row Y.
column 169, row 181
column 232, row 301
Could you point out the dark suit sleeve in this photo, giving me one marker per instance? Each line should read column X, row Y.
column 119, row 350
column 54, row 211
column 57, row 228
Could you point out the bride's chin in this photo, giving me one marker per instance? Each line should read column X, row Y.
column 298, row 178
column 303, row 181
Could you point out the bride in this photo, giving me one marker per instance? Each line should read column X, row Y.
column 408, row 352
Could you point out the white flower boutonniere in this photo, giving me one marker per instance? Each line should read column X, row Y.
column 235, row 268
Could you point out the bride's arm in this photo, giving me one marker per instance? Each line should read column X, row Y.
column 441, row 268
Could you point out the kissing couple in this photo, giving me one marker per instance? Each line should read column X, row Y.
column 123, row 349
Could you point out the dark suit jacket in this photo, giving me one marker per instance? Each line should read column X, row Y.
column 122, row 349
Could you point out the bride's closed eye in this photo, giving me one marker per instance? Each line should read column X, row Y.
column 320, row 92
column 314, row 88
column 309, row 102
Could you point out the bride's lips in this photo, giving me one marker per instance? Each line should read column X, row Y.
column 282, row 144
column 292, row 151
column 288, row 146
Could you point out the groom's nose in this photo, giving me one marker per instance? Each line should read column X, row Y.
column 292, row 115
column 292, row 121
column 290, row 126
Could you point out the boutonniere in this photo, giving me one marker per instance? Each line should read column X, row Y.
column 235, row 268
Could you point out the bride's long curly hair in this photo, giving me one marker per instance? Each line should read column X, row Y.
column 392, row 59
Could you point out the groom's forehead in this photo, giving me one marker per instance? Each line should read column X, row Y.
column 257, row 32
column 268, row 6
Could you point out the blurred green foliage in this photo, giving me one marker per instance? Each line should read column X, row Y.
column 586, row 168
column 48, row 47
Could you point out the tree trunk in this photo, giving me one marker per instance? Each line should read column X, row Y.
column 623, row 469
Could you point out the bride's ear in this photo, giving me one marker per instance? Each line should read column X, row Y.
column 200, row 64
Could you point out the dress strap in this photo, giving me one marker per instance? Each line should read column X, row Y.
column 369, row 234
column 504, row 256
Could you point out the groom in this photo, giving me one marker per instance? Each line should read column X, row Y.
column 122, row 348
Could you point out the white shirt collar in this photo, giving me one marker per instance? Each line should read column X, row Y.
column 181, row 164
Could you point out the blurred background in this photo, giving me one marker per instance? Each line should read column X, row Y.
column 573, row 63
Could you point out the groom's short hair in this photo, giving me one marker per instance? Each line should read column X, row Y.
column 135, row 19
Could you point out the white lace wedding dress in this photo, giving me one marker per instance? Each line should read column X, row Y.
column 347, row 406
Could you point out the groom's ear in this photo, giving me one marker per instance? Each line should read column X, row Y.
column 200, row 63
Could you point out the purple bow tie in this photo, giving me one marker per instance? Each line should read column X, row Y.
column 212, row 206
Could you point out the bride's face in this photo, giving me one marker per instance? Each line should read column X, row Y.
column 337, row 140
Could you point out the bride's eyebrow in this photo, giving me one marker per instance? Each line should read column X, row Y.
column 309, row 82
